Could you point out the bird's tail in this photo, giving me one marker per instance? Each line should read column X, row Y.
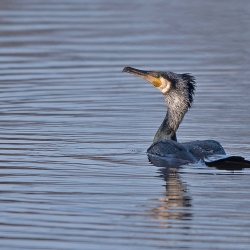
column 227, row 162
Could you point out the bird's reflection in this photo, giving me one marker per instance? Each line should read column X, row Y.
column 175, row 203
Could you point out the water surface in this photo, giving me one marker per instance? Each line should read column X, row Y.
column 74, row 130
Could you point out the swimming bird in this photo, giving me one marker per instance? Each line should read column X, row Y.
column 178, row 92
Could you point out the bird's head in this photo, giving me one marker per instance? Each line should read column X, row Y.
column 177, row 89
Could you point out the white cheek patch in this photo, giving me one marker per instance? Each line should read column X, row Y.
column 165, row 85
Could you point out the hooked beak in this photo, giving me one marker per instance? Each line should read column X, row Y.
column 137, row 72
column 147, row 75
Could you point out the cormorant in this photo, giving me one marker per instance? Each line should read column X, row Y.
column 178, row 91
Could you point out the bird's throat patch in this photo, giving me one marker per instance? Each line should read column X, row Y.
column 156, row 82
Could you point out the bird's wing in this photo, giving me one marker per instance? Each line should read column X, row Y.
column 202, row 149
column 169, row 148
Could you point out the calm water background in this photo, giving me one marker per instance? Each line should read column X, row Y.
column 74, row 130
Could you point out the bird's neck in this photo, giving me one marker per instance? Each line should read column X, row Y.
column 172, row 120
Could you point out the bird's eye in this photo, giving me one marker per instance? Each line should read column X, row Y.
column 155, row 74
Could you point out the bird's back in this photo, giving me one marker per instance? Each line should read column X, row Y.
column 189, row 151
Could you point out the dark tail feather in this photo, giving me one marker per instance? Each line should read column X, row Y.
column 227, row 162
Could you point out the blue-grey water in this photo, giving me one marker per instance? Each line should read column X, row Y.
column 74, row 129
